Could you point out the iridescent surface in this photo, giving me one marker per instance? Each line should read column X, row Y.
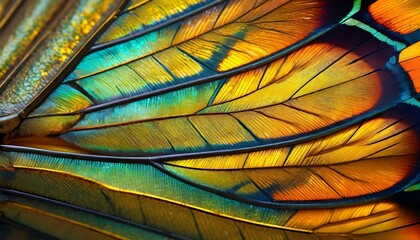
column 196, row 119
column 74, row 29
column 227, row 25
column 245, row 103
column 31, row 21
column 7, row 9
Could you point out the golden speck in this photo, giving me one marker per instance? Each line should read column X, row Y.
column 85, row 30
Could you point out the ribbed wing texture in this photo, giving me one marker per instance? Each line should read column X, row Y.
column 179, row 208
column 290, row 98
column 333, row 167
column 199, row 119
column 38, row 50
column 145, row 16
column 400, row 17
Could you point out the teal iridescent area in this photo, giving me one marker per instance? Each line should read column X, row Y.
column 141, row 179
column 186, row 101
column 64, row 99
column 142, row 76
column 209, row 119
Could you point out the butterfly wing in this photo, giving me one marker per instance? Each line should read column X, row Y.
column 261, row 118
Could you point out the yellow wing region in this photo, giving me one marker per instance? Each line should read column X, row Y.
column 210, row 119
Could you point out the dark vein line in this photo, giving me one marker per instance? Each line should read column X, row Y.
column 373, row 224
column 272, row 10
column 367, row 55
column 136, row 73
column 395, row 134
column 265, row 71
column 325, row 181
column 272, row 117
column 383, row 149
column 263, row 191
column 274, row 30
column 80, row 89
column 333, row 86
column 130, row 8
column 354, row 133
column 319, row 73
column 331, row 215
column 342, row 174
column 234, row 99
column 163, row 66
column 216, row 92
column 293, row 11
column 198, row 131
column 240, row 231
column 256, row 138
column 176, row 32
column 246, row 159
column 400, row 227
column 11, row 12
column 291, row 216
column 220, row 13
column 392, row 124
column 305, row 111
column 290, row 149
column 196, row 224
column 349, row 220
column 201, row 62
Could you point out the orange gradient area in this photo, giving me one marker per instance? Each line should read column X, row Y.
column 359, row 160
column 314, row 70
column 399, row 16
column 410, row 61
column 309, row 89
column 284, row 24
column 307, row 183
column 358, row 220
column 356, row 142
column 253, row 35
